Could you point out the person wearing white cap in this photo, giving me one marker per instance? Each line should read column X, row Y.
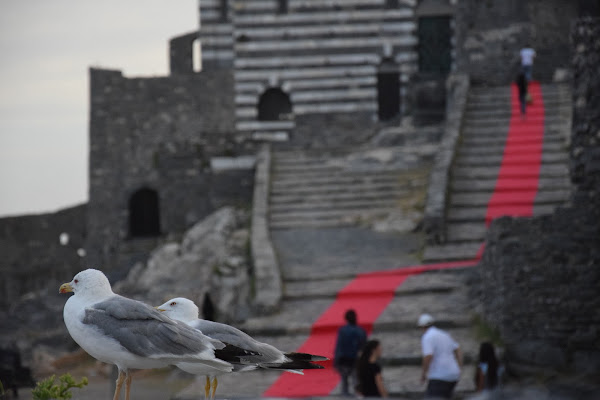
column 442, row 359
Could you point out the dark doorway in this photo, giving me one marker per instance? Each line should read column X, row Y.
column 208, row 308
column 283, row 7
column 144, row 218
column 435, row 46
column 388, row 90
column 224, row 10
column 274, row 105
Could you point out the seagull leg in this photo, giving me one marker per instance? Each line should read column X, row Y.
column 214, row 387
column 127, row 384
column 120, row 380
column 207, row 388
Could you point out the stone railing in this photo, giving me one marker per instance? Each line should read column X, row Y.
column 267, row 277
column 457, row 86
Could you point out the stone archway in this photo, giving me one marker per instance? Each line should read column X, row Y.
column 274, row 105
column 144, row 213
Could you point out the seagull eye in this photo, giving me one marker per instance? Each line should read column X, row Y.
column 76, row 281
column 173, row 303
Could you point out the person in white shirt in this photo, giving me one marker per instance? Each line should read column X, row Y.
column 527, row 56
column 442, row 359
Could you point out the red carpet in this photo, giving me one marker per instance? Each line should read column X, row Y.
column 519, row 173
column 369, row 294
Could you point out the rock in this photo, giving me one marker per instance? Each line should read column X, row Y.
column 211, row 259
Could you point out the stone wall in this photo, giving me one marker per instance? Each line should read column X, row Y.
column 32, row 256
column 491, row 33
column 333, row 129
column 457, row 89
column 159, row 133
column 541, row 276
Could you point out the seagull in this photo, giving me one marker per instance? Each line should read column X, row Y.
column 267, row 357
column 133, row 335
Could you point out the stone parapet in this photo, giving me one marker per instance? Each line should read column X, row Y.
column 457, row 86
column 267, row 277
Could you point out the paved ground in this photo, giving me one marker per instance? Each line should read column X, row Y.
column 342, row 252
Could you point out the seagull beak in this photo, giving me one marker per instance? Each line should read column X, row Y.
column 160, row 309
column 65, row 288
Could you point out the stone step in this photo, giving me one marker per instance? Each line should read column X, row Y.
column 452, row 312
column 401, row 382
column 494, row 122
column 477, row 142
column 546, row 171
column 335, row 187
column 478, row 213
column 489, row 185
column 502, row 131
column 352, row 219
column 334, row 197
column 451, row 252
column 292, row 182
column 348, row 204
column 482, row 199
column 430, row 282
column 492, row 148
column 517, row 159
column 505, row 105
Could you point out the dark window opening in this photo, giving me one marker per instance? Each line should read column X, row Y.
column 224, row 10
column 388, row 90
column 435, row 47
column 283, row 7
column 274, row 105
column 208, row 308
column 392, row 4
column 144, row 217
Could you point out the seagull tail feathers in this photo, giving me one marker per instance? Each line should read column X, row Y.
column 295, row 366
column 305, row 357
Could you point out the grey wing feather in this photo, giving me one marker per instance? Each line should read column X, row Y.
column 145, row 332
column 229, row 334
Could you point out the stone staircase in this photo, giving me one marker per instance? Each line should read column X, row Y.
column 475, row 169
column 345, row 187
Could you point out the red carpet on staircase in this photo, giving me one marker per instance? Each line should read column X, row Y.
column 370, row 293
column 518, row 178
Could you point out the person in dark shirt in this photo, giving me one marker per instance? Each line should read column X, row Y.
column 370, row 380
column 522, row 86
column 350, row 339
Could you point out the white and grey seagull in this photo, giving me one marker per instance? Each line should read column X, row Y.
column 133, row 335
column 266, row 356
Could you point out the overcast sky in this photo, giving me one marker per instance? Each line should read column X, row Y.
column 46, row 49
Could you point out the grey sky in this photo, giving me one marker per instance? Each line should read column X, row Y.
column 47, row 47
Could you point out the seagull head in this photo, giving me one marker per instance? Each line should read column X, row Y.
column 180, row 309
column 88, row 282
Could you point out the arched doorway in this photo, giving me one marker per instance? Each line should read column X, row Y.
column 274, row 105
column 144, row 216
column 388, row 90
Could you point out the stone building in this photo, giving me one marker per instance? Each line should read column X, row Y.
column 166, row 151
